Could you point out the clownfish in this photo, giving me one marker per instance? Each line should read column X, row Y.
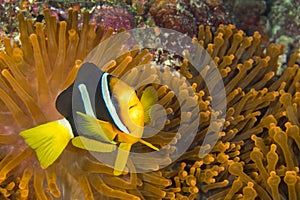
column 101, row 113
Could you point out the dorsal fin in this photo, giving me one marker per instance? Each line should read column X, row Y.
column 64, row 102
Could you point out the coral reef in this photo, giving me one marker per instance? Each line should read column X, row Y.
column 257, row 155
column 249, row 15
column 185, row 16
column 115, row 17
column 9, row 11
column 284, row 20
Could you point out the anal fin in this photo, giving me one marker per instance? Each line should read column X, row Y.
column 122, row 157
column 92, row 145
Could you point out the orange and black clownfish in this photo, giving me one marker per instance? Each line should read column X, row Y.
column 100, row 112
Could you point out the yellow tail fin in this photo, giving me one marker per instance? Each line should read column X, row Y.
column 48, row 140
column 148, row 99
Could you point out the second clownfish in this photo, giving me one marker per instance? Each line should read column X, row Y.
column 101, row 112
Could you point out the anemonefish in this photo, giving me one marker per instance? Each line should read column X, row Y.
column 101, row 113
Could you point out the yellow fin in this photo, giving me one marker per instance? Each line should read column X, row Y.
column 92, row 145
column 96, row 128
column 148, row 99
column 121, row 160
column 148, row 144
column 48, row 140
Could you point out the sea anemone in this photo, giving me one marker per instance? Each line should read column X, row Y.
column 257, row 155
column 32, row 75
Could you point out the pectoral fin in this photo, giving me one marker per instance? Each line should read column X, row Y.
column 121, row 160
column 92, row 145
column 48, row 140
column 93, row 127
column 148, row 99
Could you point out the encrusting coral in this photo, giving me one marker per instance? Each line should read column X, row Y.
column 256, row 157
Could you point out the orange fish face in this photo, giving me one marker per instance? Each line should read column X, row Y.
column 136, row 110
column 129, row 107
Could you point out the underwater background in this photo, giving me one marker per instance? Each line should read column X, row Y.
column 253, row 43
